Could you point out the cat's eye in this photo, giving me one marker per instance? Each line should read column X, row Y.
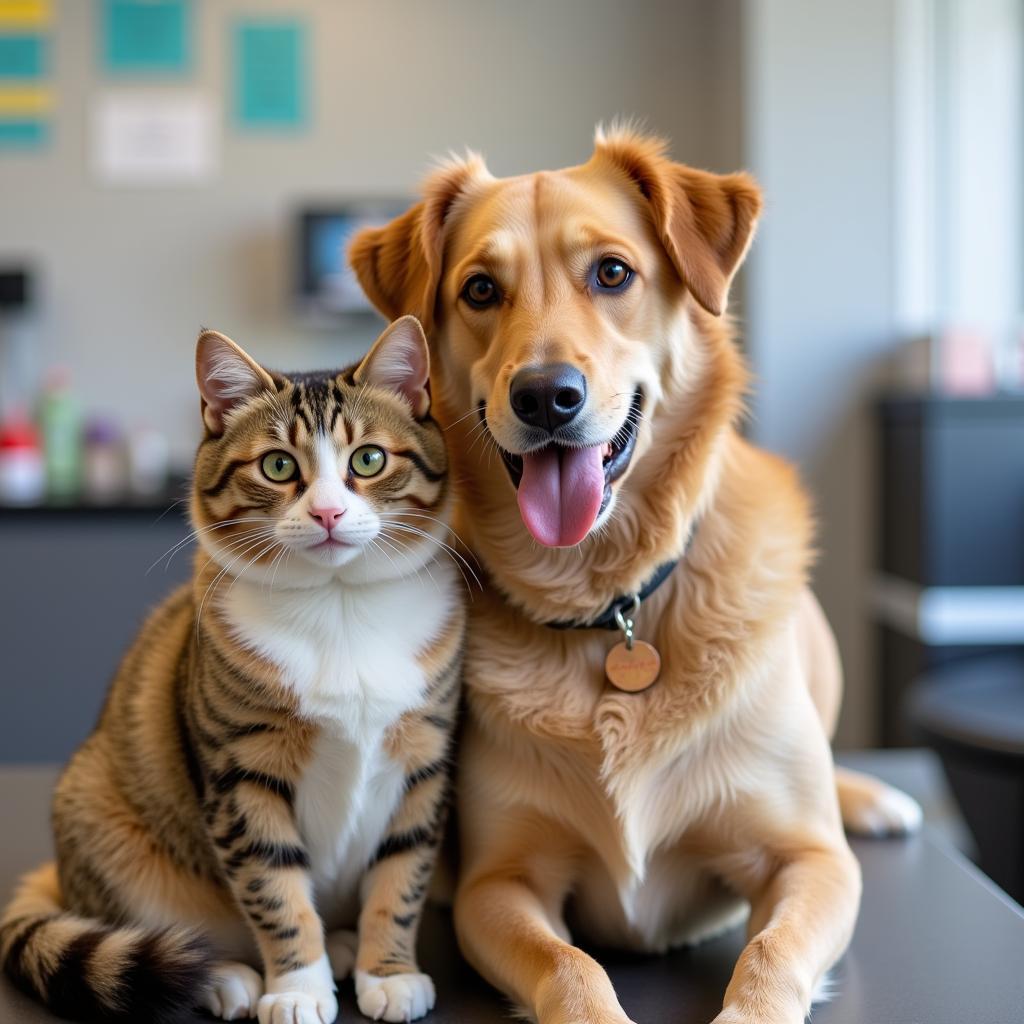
column 613, row 274
column 480, row 291
column 368, row 460
column 280, row 467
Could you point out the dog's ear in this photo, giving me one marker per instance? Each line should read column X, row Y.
column 399, row 265
column 706, row 221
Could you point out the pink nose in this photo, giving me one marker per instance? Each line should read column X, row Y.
column 327, row 517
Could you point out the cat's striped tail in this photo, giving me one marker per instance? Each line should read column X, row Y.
column 84, row 969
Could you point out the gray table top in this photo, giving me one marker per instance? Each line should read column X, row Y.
column 936, row 943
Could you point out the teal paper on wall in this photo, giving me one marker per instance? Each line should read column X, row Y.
column 22, row 133
column 147, row 36
column 270, row 68
column 22, row 56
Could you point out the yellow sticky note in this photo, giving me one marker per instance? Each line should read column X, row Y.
column 25, row 13
column 18, row 101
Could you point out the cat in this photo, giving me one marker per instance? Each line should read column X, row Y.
column 272, row 761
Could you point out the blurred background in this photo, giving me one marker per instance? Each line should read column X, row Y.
column 166, row 164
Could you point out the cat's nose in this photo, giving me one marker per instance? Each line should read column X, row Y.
column 327, row 517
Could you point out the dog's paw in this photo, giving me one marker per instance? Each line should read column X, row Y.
column 302, row 996
column 341, row 951
column 575, row 1017
column 234, row 991
column 743, row 1015
column 397, row 997
column 871, row 808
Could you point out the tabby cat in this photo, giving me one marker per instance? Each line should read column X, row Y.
column 271, row 767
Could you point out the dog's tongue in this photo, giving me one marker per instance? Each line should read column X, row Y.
column 560, row 493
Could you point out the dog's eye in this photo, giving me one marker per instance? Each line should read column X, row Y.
column 612, row 273
column 480, row 291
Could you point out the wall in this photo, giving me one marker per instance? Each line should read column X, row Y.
column 130, row 274
column 819, row 82
column 801, row 93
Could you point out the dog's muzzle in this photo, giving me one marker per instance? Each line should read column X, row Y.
column 563, row 488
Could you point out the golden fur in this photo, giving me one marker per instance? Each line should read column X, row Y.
column 641, row 820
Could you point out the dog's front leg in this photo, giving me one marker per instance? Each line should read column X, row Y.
column 801, row 921
column 511, row 931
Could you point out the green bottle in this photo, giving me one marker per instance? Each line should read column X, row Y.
column 60, row 423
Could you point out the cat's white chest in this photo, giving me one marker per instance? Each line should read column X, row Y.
column 344, row 803
column 350, row 656
column 349, row 653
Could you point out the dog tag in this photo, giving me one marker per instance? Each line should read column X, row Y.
column 632, row 669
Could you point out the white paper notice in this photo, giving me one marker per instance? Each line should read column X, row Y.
column 153, row 139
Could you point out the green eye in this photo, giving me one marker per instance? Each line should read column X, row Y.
column 368, row 460
column 280, row 467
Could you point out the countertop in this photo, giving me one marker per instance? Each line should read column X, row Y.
column 936, row 942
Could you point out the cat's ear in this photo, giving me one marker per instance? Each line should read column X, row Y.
column 227, row 376
column 400, row 361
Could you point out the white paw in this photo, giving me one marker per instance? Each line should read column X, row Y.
column 399, row 997
column 296, row 1008
column 234, row 991
column 304, row 996
column 341, row 951
column 887, row 812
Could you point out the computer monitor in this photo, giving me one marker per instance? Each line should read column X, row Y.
column 327, row 288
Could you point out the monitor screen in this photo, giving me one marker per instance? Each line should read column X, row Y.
column 327, row 286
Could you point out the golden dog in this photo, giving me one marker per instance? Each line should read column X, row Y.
column 590, row 388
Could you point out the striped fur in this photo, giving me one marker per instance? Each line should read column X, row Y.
column 233, row 806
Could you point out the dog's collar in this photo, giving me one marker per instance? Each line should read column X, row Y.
column 609, row 618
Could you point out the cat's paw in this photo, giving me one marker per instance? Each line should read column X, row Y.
column 296, row 1008
column 341, row 951
column 303, row 996
column 397, row 997
column 234, row 991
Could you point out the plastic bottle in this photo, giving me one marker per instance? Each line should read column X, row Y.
column 22, row 474
column 104, row 473
column 62, row 443
column 147, row 461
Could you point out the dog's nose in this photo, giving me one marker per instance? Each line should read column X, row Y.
column 548, row 396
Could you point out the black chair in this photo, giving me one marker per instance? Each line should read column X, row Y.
column 972, row 713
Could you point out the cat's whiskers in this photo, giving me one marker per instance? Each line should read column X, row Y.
column 220, row 576
column 457, row 558
column 394, row 546
column 173, row 505
column 194, row 535
column 415, row 513
column 252, row 561
column 246, row 537
column 279, row 559
column 376, row 545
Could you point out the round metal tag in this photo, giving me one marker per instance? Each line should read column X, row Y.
column 632, row 670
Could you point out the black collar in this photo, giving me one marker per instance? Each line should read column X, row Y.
column 607, row 619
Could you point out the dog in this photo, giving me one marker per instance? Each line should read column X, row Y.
column 587, row 376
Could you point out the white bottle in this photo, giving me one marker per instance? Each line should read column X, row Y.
column 148, row 457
